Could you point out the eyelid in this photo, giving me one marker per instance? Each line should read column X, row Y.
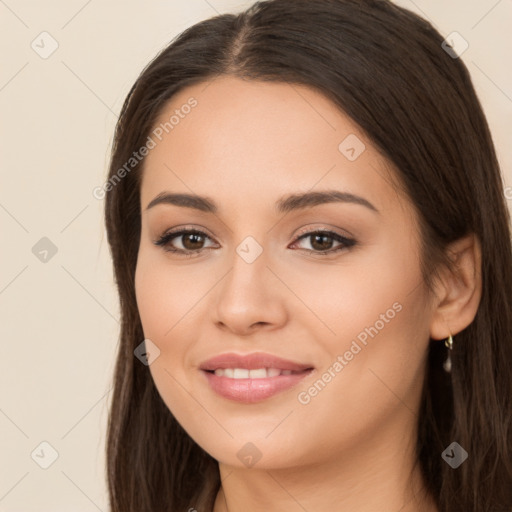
column 180, row 231
column 306, row 229
column 324, row 227
column 345, row 241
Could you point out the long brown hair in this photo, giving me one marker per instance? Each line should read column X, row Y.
column 385, row 67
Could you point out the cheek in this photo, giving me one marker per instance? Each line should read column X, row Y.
column 162, row 306
column 373, row 369
column 165, row 294
column 171, row 300
column 373, row 311
column 159, row 305
column 151, row 304
column 368, row 290
column 379, row 313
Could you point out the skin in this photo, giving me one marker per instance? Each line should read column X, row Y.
column 245, row 145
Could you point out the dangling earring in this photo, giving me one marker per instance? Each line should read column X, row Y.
column 447, row 365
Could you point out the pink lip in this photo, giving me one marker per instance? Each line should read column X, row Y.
column 252, row 362
column 252, row 390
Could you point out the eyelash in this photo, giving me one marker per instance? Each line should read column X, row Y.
column 164, row 240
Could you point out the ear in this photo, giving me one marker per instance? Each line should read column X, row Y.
column 459, row 290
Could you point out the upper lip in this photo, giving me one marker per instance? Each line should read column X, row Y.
column 252, row 362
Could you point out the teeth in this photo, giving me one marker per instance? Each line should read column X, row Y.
column 260, row 373
column 273, row 372
column 240, row 373
column 244, row 373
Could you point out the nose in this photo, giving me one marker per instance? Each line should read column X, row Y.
column 250, row 297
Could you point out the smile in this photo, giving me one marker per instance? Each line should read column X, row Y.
column 252, row 378
column 243, row 373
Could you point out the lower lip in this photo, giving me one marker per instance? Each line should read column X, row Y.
column 249, row 391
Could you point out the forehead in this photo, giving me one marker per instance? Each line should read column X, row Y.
column 244, row 140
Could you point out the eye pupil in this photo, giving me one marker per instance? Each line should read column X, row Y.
column 323, row 246
column 196, row 241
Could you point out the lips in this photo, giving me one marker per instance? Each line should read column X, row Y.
column 253, row 361
column 253, row 377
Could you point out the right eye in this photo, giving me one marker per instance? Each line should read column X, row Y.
column 192, row 240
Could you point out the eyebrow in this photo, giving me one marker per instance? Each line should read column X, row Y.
column 283, row 205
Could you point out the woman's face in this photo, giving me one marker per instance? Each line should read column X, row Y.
column 345, row 308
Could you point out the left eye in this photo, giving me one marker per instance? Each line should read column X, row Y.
column 323, row 241
column 192, row 241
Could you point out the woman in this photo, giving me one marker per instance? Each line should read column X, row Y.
column 312, row 251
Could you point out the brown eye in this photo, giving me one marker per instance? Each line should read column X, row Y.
column 322, row 241
column 191, row 240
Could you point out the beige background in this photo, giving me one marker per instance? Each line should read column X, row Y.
column 60, row 317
